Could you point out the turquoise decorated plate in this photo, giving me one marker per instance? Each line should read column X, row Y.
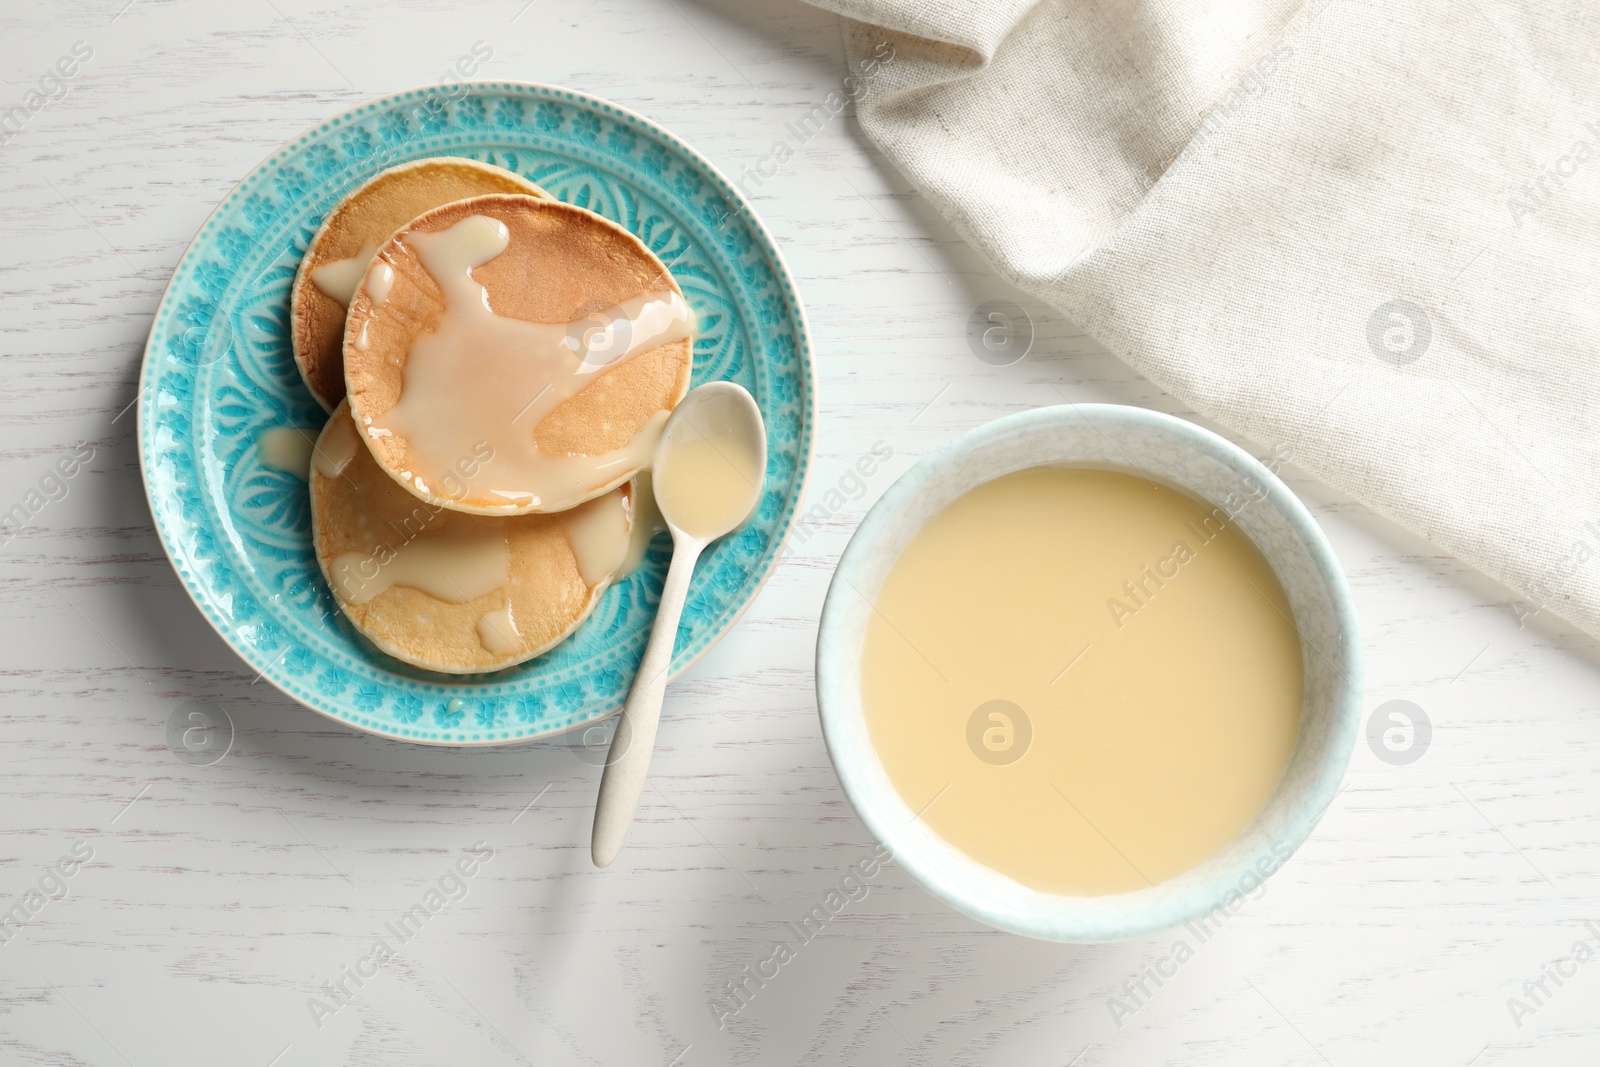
column 218, row 373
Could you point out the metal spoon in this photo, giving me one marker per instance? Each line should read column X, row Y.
column 708, row 473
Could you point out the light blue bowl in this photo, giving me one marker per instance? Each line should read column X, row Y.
column 1166, row 449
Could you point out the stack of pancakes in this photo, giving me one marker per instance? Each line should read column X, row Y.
column 448, row 571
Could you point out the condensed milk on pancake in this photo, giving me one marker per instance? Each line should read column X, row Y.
column 540, row 328
column 336, row 260
column 449, row 591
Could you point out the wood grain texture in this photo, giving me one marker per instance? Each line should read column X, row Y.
column 219, row 899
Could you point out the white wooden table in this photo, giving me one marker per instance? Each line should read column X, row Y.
column 210, row 904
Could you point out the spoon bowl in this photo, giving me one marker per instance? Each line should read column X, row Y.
column 710, row 463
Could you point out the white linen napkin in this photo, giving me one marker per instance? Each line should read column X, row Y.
column 1363, row 233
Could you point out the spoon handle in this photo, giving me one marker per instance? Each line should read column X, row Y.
column 629, row 759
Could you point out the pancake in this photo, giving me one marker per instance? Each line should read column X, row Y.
column 449, row 591
column 356, row 227
column 542, row 328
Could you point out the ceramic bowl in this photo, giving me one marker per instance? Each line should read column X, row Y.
column 1180, row 454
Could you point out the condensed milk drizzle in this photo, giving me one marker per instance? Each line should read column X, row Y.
column 598, row 532
column 380, row 279
column 647, row 522
column 478, row 375
column 287, row 448
column 336, row 448
column 465, row 557
column 498, row 631
column 340, row 278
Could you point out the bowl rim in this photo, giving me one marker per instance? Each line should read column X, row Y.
column 1050, row 916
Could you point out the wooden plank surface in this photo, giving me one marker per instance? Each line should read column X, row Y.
column 209, row 905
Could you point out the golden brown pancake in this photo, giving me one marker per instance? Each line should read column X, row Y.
column 365, row 220
column 380, row 548
column 559, row 264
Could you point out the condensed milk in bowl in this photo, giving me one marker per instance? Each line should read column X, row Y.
column 1089, row 672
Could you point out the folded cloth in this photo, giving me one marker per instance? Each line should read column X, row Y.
column 1364, row 234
